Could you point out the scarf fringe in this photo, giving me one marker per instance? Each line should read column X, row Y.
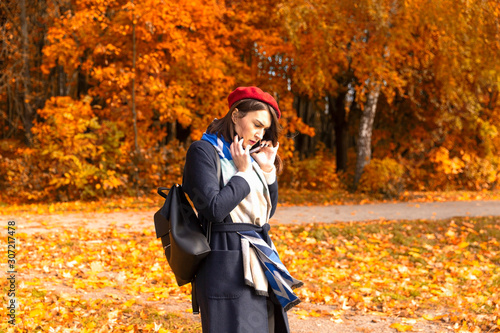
column 280, row 280
column 292, row 304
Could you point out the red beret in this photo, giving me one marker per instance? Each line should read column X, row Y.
column 253, row 93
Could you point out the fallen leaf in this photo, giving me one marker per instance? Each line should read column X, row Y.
column 401, row 328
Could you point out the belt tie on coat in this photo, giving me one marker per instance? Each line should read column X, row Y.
column 275, row 272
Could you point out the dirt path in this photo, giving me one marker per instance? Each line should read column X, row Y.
column 386, row 211
column 349, row 321
column 141, row 220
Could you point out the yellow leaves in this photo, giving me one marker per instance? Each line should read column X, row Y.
column 162, row 330
column 383, row 176
column 188, row 45
column 310, row 241
column 462, row 280
column 431, row 317
column 368, row 267
column 402, row 328
column 450, row 233
column 463, row 245
column 96, row 267
column 73, row 151
column 79, row 284
column 183, row 115
column 143, row 315
column 109, row 49
column 445, row 164
column 304, row 314
column 314, row 314
column 414, row 254
column 340, row 250
column 38, row 311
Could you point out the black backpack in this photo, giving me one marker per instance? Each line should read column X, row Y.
column 181, row 233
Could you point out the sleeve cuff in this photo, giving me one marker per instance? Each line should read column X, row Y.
column 245, row 175
column 270, row 176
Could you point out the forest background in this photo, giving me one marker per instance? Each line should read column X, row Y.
column 100, row 98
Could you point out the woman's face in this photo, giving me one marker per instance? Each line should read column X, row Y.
column 252, row 126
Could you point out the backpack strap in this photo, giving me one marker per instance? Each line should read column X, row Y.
column 219, row 172
column 221, row 185
column 194, row 300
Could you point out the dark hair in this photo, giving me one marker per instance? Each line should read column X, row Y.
column 225, row 127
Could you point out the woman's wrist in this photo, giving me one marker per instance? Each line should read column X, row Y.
column 270, row 175
column 268, row 169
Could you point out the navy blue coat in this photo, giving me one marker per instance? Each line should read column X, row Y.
column 227, row 304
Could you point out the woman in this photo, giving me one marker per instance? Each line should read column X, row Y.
column 241, row 286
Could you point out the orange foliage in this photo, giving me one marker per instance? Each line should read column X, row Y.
column 383, row 177
column 317, row 173
column 439, row 118
column 74, row 155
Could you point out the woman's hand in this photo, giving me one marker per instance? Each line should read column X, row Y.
column 241, row 157
column 266, row 156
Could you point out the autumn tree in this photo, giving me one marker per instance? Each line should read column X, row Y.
column 413, row 85
column 256, row 38
column 449, row 137
column 180, row 48
column 23, row 29
column 344, row 53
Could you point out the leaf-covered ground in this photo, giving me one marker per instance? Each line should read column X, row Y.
column 437, row 270
column 445, row 272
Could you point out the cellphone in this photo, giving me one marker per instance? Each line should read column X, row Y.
column 255, row 148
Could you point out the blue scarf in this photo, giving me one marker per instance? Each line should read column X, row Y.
column 276, row 273
column 220, row 144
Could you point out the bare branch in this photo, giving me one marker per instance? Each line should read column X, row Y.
column 11, row 17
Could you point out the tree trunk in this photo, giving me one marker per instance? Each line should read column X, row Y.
column 338, row 114
column 301, row 105
column 28, row 110
column 134, row 112
column 137, row 153
column 171, row 132
column 305, row 144
column 365, row 133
